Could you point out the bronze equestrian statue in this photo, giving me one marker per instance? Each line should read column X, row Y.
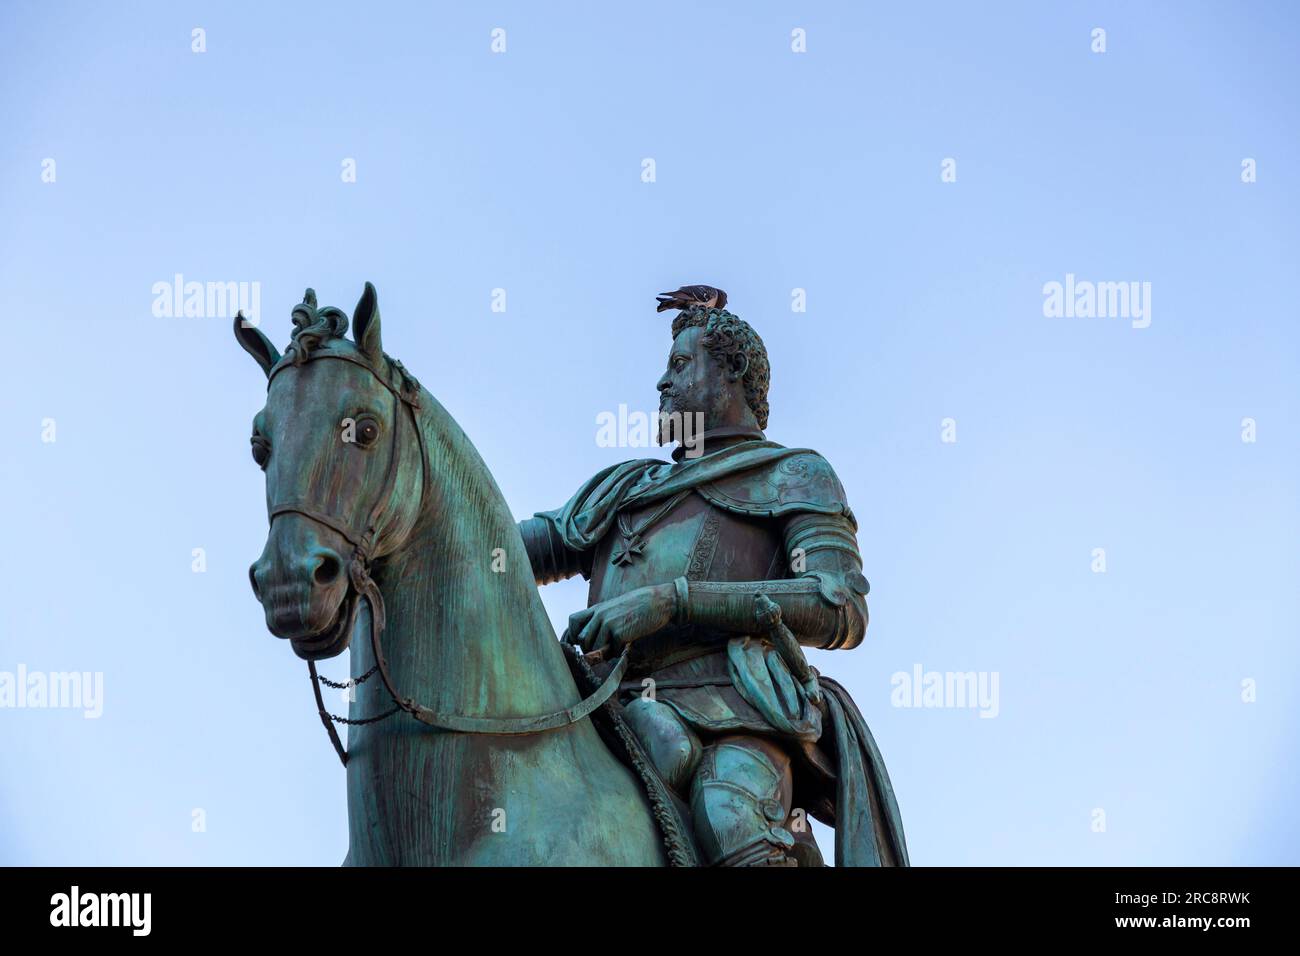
column 691, row 732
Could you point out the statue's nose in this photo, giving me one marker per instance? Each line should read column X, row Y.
column 318, row 567
column 325, row 564
column 300, row 578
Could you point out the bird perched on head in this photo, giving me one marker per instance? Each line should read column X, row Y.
column 692, row 297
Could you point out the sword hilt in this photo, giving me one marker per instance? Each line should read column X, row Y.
column 767, row 613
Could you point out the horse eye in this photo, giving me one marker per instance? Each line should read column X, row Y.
column 367, row 431
column 261, row 450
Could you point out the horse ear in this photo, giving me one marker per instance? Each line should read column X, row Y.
column 255, row 343
column 365, row 323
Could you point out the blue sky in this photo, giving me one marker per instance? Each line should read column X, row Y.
column 774, row 170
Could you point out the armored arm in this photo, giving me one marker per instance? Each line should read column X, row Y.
column 551, row 559
column 823, row 603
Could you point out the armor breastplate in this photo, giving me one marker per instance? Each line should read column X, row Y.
column 694, row 539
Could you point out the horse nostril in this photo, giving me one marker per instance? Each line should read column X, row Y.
column 252, row 579
column 328, row 568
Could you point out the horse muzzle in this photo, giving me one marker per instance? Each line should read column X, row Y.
column 302, row 584
column 334, row 640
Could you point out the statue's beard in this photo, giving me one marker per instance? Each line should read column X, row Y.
column 664, row 428
column 662, row 423
column 682, row 421
column 681, row 428
column 669, row 425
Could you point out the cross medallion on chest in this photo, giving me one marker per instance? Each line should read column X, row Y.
column 629, row 550
column 632, row 546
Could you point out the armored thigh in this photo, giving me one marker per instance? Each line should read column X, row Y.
column 740, row 800
column 671, row 745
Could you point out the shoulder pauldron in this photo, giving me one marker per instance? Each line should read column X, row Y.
column 803, row 482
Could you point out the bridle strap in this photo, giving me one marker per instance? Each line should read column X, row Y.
column 408, row 395
column 364, row 585
column 328, row 520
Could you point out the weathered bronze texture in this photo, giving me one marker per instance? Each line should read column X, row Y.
column 476, row 746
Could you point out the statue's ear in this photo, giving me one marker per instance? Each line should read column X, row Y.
column 255, row 343
column 365, row 324
column 738, row 365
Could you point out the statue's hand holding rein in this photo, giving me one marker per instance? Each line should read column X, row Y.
column 593, row 657
column 612, row 624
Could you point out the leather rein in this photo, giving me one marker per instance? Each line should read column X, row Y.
column 407, row 393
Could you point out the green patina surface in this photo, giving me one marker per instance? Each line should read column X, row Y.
column 373, row 489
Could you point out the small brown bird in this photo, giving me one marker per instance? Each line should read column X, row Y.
column 692, row 297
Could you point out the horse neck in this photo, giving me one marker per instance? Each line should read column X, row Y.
column 466, row 631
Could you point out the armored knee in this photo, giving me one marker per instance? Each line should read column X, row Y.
column 740, row 799
column 672, row 746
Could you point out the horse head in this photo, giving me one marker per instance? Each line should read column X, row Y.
column 340, row 442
